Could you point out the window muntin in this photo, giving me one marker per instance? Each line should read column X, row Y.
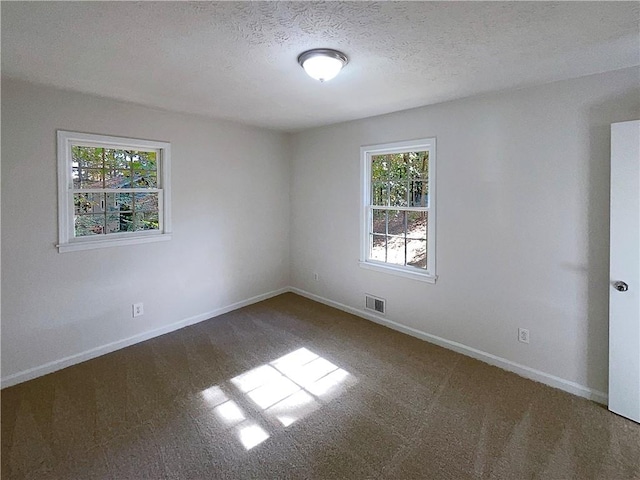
column 399, row 213
column 112, row 190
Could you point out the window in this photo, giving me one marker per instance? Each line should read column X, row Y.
column 398, row 211
column 111, row 191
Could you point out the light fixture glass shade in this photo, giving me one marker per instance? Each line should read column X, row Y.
column 322, row 63
column 322, row 68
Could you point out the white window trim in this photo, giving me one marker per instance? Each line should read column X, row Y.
column 366, row 152
column 66, row 240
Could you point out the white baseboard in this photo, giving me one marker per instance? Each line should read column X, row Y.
column 522, row 370
column 50, row 367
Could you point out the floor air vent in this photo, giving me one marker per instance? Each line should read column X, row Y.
column 374, row 303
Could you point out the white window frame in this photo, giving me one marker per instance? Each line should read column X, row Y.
column 366, row 152
column 67, row 241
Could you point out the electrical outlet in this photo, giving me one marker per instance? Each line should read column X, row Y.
column 523, row 335
column 137, row 309
column 316, row 277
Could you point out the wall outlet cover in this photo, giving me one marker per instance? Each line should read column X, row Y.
column 523, row 335
column 138, row 309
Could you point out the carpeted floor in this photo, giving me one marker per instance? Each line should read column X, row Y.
column 289, row 388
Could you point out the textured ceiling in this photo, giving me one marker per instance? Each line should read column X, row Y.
column 237, row 60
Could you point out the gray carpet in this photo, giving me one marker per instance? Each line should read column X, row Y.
column 289, row 388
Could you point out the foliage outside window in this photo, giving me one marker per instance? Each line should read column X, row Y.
column 399, row 208
column 112, row 191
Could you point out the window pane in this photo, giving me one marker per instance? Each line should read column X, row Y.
column 113, row 223
column 86, row 157
column 118, row 178
column 398, row 194
column 418, row 193
column 419, row 165
column 120, row 217
column 143, row 160
column 87, row 177
column 119, row 202
column 145, row 179
column 88, row 202
column 417, row 253
column 130, row 159
column 395, row 250
column 146, row 221
column 146, row 202
column 392, row 166
column 377, row 247
column 151, row 221
column 380, row 193
column 126, row 223
column 117, row 159
column 397, row 222
column 379, row 167
column 398, row 163
column 89, row 225
column 120, row 222
column 417, row 225
column 379, row 221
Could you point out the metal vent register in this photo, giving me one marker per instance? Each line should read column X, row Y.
column 374, row 303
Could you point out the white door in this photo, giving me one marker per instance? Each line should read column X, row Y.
column 624, row 288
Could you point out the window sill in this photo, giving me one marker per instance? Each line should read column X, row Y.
column 400, row 272
column 112, row 242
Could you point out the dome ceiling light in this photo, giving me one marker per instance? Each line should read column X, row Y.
column 322, row 63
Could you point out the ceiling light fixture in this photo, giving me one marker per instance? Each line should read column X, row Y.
column 322, row 63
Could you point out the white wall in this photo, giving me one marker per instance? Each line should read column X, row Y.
column 230, row 227
column 523, row 179
column 522, row 238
